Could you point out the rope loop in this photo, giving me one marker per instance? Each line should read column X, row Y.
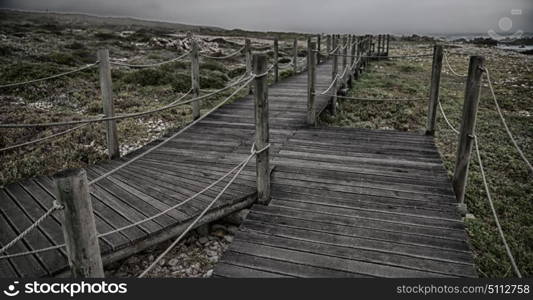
column 254, row 150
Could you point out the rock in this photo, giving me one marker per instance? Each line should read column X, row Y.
column 209, row 273
column 219, row 233
column 213, row 259
column 233, row 229
column 218, row 227
column 173, row 262
column 228, row 238
column 203, row 240
column 236, row 218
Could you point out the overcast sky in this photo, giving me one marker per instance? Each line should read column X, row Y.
column 357, row 16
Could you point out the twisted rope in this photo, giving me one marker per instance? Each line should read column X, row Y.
column 172, row 136
column 35, row 224
column 446, row 119
column 502, row 118
column 450, row 66
column 495, row 215
column 49, row 77
column 150, row 65
column 374, row 99
column 241, row 166
column 120, row 117
column 224, row 57
column 36, row 141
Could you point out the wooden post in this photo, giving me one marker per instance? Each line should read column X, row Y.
column 345, row 42
column 276, row 59
column 261, row 129
column 195, row 77
column 311, row 79
column 434, row 89
column 295, row 56
column 328, row 45
column 353, row 50
column 106, row 89
column 335, row 68
column 466, row 136
column 388, row 42
column 318, row 48
column 248, row 59
column 79, row 229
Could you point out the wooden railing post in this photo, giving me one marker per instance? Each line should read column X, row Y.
column 311, row 79
column 318, row 48
column 345, row 42
column 261, row 129
column 276, row 59
column 334, row 74
column 248, row 60
column 295, row 56
column 388, row 42
column 434, row 89
column 335, row 68
column 79, row 229
column 106, row 88
column 195, row 77
column 466, row 135
column 328, row 45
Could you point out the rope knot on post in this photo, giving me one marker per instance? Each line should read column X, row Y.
column 254, row 150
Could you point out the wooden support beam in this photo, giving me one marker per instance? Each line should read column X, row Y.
column 106, row 89
column 345, row 43
column 334, row 73
column 276, row 59
column 195, row 76
column 262, row 138
column 467, row 131
column 434, row 89
column 311, row 80
column 295, row 56
column 248, row 60
column 79, row 229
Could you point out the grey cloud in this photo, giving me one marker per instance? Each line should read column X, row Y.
column 364, row 16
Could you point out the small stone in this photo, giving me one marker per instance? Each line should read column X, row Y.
column 209, row 273
column 233, row 229
column 228, row 238
column 203, row 240
column 173, row 262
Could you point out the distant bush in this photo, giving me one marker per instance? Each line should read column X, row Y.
column 181, row 82
column 23, row 71
column 145, row 77
column 75, row 46
column 62, row 58
column 102, row 35
column 237, row 71
column 213, row 80
column 410, row 68
column 213, row 66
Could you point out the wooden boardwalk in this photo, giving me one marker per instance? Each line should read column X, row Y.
column 346, row 202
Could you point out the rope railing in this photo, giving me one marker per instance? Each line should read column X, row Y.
column 240, row 167
column 487, row 191
column 49, row 212
column 494, row 214
column 390, row 56
column 9, row 85
column 135, row 224
column 151, row 65
column 237, row 52
column 502, row 118
column 450, row 66
column 43, row 139
column 376, row 99
column 120, row 117
column 246, row 81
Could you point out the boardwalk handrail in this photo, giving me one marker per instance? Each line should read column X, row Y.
column 184, row 55
column 8, row 85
